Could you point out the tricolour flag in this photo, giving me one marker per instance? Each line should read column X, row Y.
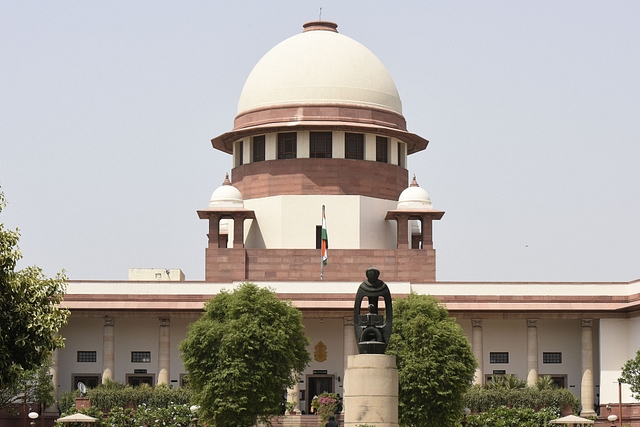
column 325, row 243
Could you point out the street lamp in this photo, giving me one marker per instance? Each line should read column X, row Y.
column 194, row 411
column 33, row 415
column 612, row 419
column 465, row 412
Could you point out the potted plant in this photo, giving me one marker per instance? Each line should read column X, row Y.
column 326, row 405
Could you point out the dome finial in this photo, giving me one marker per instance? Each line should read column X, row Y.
column 226, row 179
column 414, row 183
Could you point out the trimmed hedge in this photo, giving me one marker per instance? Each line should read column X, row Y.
column 113, row 395
column 480, row 399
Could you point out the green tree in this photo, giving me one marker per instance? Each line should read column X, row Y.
column 435, row 363
column 631, row 375
column 30, row 312
column 33, row 386
column 242, row 354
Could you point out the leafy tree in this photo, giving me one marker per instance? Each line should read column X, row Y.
column 33, row 386
column 631, row 375
column 30, row 312
column 242, row 354
column 435, row 363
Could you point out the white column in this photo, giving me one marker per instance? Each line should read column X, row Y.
column 108, row 349
column 53, row 371
column 293, row 395
column 476, row 344
column 532, row 351
column 586, row 388
column 164, row 349
column 349, row 348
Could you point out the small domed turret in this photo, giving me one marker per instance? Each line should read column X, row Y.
column 414, row 197
column 226, row 196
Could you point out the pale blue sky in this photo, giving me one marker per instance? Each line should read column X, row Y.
column 532, row 109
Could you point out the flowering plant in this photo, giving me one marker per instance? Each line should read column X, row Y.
column 326, row 404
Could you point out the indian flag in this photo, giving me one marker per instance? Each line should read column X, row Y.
column 325, row 242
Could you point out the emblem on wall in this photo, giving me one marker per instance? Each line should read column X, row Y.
column 320, row 352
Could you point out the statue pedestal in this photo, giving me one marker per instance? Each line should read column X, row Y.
column 371, row 391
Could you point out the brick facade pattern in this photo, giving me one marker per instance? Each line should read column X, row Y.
column 320, row 176
column 395, row 265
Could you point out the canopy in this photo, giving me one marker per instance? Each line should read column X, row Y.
column 77, row 418
column 571, row 419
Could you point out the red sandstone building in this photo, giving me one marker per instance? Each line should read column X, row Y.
column 328, row 130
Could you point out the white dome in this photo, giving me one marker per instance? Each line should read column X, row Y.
column 226, row 196
column 414, row 197
column 319, row 66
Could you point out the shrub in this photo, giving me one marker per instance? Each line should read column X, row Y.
column 326, row 405
column 503, row 416
column 481, row 399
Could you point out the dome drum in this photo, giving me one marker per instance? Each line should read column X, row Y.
column 320, row 176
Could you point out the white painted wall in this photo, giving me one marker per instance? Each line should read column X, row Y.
column 135, row 334
column 331, row 333
column 563, row 336
column 80, row 334
column 289, row 222
column 619, row 342
column 179, row 327
column 509, row 336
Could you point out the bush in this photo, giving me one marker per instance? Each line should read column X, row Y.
column 481, row 399
column 326, row 405
column 113, row 395
column 503, row 416
column 67, row 402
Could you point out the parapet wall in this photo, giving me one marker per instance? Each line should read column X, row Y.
column 402, row 265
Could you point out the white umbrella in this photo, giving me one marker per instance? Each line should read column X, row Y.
column 571, row 419
column 77, row 418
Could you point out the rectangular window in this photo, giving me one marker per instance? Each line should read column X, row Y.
column 401, row 154
column 140, row 357
column 320, row 145
column 287, row 145
column 381, row 149
column 240, row 153
column 258, row 148
column 354, row 146
column 502, row 357
column 552, row 357
column 87, row 356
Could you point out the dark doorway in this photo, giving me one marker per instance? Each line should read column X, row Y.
column 317, row 386
column 136, row 380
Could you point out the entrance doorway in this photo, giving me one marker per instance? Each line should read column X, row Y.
column 317, row 385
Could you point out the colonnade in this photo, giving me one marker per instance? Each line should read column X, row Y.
column 587, row 385
column 164, row 350
column 108, row 353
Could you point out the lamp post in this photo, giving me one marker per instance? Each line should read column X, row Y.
column 612, row 419
column 194, row 411
column 33, row 415
column 465, row 412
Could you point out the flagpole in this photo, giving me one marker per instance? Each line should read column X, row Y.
column 323, row 245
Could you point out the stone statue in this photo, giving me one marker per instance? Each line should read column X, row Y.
column 372, row 331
